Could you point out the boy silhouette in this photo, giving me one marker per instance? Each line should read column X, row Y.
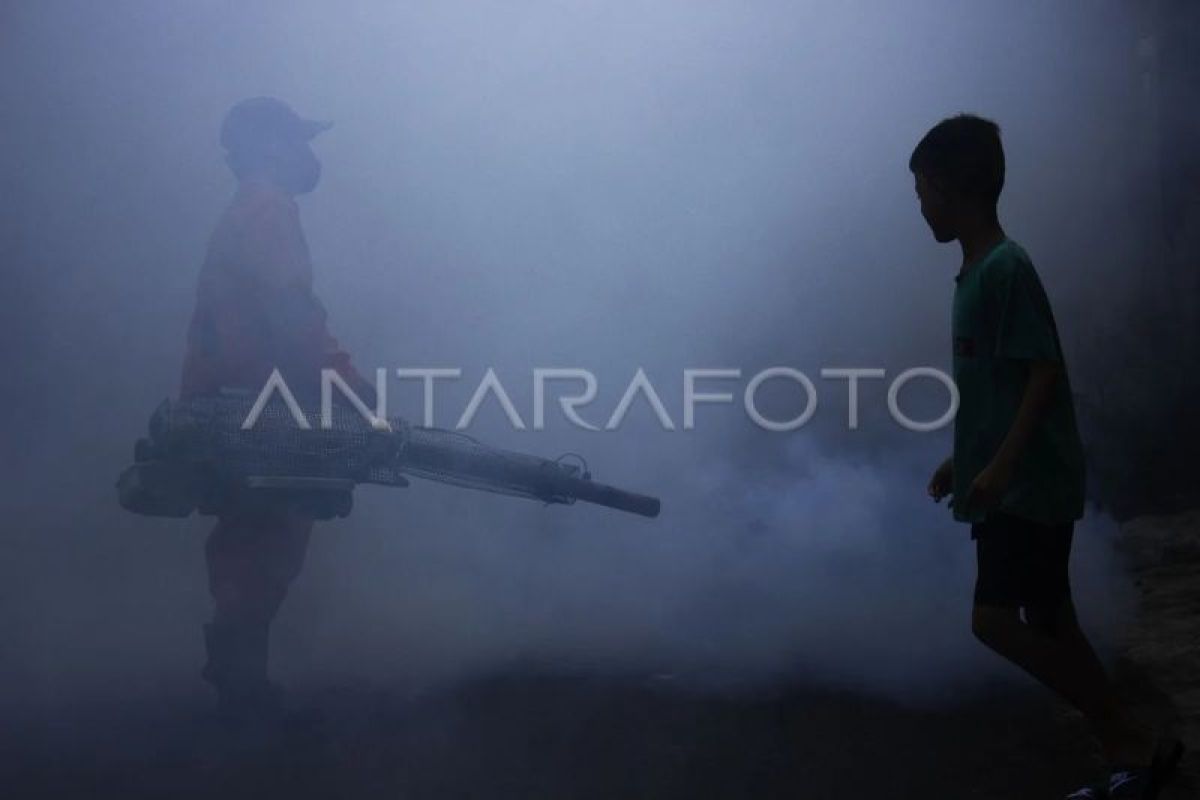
column 1017, row 471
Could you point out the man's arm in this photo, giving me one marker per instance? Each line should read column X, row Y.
column 334, row 357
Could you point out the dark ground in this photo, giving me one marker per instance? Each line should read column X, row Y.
column 1161, row 653
column 531, row 736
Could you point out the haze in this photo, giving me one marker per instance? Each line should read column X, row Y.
column 546, row 184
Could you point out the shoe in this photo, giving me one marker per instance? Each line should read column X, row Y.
column 1095, row 792
column 1130, row 784
column 1137, row 783
column 1122, row 784
column 237, row 669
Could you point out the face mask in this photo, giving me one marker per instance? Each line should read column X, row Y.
column 304, row 172
column 295, row 168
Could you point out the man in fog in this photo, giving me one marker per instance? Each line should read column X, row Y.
column 255, row 312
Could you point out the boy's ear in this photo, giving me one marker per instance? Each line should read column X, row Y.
column 937, row 187
column 926, row 185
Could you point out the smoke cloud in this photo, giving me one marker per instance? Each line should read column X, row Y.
column 607, row 186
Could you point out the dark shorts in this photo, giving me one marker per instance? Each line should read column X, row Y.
column 1021, row 564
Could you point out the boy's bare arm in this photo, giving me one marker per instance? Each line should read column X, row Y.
column 990, row 484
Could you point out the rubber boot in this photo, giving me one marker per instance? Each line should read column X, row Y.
column 237, row 669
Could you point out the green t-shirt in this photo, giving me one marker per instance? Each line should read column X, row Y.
column 1001, row 322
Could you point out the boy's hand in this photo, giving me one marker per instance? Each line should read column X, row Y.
column 942, row 481
column 989, row 486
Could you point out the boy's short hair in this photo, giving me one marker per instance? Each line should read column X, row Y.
column 964, row 153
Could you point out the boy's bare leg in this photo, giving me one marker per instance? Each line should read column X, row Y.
column 1052, row 648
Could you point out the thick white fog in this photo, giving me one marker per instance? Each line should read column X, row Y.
column 603, row 185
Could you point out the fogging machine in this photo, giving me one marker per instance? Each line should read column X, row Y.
column 199, row 457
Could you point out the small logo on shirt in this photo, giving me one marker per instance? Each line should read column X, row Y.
column 964, row 347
